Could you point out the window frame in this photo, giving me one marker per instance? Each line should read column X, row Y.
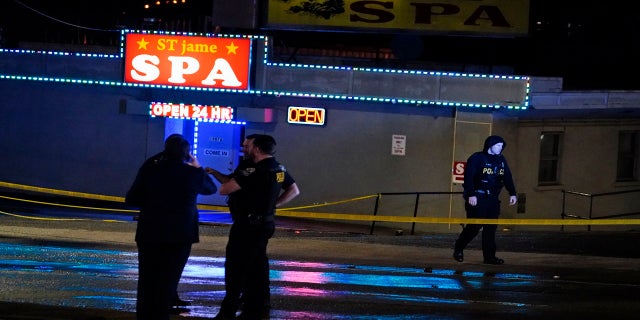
column 549, row 162
column 627, row 156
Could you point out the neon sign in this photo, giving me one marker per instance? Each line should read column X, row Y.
column 190, row 61
column 306, row 115
column 191, row 111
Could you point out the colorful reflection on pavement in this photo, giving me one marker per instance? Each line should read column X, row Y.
column 106, row 279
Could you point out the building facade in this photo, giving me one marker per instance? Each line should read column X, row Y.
column 70, row 122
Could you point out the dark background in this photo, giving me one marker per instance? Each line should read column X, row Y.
column 592, row 45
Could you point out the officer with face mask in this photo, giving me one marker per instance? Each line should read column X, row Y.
column 486, row 173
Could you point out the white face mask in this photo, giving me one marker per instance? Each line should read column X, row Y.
column 496, row 148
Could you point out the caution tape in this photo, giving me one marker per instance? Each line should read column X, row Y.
column 330, row 203
column 68, row 205
column 61, row 192
column 54, row 219
column 533, row 222
column 288, row 212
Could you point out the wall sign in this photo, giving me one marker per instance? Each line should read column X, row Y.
column 191, row 111
column 398, row 144
column 306, row 115
column 458, row 172
column 484, row 17
column 187, row 61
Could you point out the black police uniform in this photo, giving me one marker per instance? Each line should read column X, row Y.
column 252, row 209
column 166, row 192
column 485, row 176
column 234, row 200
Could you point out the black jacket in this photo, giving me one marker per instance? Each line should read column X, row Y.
column 166, row 193
column 486, row 174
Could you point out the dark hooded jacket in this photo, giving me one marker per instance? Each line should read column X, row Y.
column 486, row 174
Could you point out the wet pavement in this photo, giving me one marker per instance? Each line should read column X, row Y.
column 607, row 260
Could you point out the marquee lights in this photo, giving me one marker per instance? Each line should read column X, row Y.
column 273, row 93
column 60, row 53
column 416, row 102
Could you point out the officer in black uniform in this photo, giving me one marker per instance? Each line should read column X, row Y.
column 486, row 173
column 234, row 199
column 254, row 192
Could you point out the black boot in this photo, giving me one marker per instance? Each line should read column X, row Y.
column 458, row 255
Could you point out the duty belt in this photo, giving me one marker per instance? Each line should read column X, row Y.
column 487, row 192
column 260, row 219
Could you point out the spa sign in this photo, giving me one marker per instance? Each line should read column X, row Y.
column 477, row 17
column 190, row 61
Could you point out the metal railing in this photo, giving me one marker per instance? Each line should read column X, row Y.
column 591, row 197
column 415, row 207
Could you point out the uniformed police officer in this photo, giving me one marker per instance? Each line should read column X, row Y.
column 485, row 174
column 254, row 192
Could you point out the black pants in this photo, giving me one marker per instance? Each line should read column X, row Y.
column 487, row 208
column 159, row 269
column 246, row 267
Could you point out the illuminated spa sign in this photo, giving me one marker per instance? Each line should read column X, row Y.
column 191, row 111
column 306, row 115
column 189, row 61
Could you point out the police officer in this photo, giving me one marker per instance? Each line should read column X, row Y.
column 486, row 173
column 254, row 192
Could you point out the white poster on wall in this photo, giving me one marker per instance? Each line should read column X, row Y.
column 398, row 144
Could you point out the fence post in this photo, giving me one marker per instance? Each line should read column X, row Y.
column 562, row 214
column 415, row 213
column 375, row 212
column 590, row 210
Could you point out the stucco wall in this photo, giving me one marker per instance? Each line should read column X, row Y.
column 588, row 165
column 83, row 138
column 90, row 138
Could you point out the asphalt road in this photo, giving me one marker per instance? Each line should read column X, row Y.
column 86, row 269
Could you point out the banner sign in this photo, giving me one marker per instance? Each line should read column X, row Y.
column 190, row 61
column 479, row 17
column 191, row 111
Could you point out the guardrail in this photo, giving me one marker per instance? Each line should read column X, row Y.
column 415, row 207
column 591, row 197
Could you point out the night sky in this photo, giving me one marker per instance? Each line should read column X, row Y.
column 591, row 44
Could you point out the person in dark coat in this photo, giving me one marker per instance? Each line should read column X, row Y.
column 485, row 174
column 176, row 301
column 166, row 189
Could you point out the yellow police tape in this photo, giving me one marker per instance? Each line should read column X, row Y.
column 55, row 219
column 289, row 212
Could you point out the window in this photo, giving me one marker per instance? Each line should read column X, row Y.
column 627, row 156
column 550, row 147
